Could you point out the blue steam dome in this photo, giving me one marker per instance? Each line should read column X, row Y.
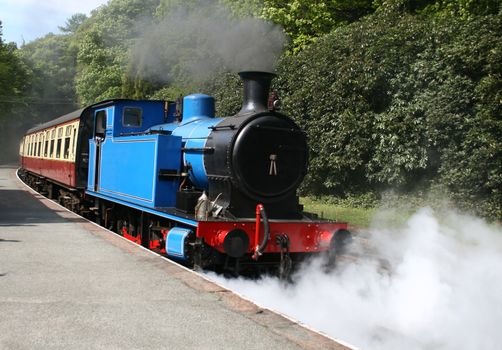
column 197, row 106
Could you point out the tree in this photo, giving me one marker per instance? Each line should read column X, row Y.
column 52, row 66
column 13, row 83
column 304, row 20
column 465, row 9
column 103, row 42
column 73, row 23
column 12, row 75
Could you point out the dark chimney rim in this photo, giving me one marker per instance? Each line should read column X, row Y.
column 252, row 73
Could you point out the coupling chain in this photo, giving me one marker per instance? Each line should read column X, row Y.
column 285, row 265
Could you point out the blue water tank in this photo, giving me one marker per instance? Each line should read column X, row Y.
column 197, row 106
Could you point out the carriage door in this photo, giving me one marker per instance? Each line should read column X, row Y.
column 99, row 137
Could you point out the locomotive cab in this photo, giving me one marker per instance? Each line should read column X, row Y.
column 128, row 163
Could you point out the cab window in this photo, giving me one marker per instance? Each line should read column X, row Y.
column 100, row 123
column 131, row 117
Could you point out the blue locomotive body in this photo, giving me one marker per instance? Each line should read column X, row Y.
column 141, row 148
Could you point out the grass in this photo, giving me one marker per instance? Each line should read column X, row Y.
column 359, row 217
column 383, row 210
column 360, row 212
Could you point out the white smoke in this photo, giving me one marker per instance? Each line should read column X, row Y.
column 439, row 288
column 198, row 41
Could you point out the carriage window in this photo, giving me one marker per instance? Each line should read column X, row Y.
column 66, row 152
column 73, row 142
column 39, row 145
column 46, row 146
column 58, row 144
column 58, row 149
column 51, row 149
column 131, row 116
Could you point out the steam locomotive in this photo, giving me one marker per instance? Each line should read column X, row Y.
column 210, row 192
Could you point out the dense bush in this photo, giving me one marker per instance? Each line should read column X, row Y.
column 402, row 101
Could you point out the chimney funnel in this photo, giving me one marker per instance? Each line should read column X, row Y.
column 256, row 90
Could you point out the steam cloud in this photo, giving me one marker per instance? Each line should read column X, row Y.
column 201, row 40
column 441, row 288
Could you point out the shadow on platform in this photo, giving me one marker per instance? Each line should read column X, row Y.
column 19, row 208
column 9, row 240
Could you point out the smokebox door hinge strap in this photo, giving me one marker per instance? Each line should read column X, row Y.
column 273, row 165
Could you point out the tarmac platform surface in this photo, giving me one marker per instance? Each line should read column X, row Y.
column 66, row 283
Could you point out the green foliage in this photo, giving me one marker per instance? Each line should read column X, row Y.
column 167, row 7
column 50, row 64
column 170, row 93
column 13, row 86
column 103, row 42
column 304, row 20
column 73, row 23
column 226, row 88
column 342, row 211
column 465, row 9
column 404, row 102
column 12, row 76
column 51, row 61
column 100, row 69
column 367, row 200
column 244, row 8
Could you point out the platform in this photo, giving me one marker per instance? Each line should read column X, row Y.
column 66, row 283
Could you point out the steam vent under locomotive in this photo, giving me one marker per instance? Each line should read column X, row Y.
column 173, row 177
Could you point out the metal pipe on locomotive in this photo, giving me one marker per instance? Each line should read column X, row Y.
column 211, row 192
